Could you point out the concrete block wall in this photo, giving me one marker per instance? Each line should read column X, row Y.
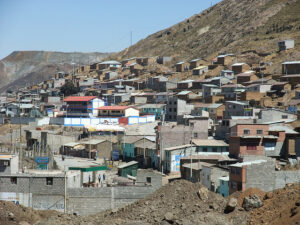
column 261, row 176
column 285, row 177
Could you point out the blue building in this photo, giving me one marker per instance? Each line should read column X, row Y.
column 223, row 188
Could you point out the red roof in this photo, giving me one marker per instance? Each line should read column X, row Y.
column 114, row 107
column 79, row 98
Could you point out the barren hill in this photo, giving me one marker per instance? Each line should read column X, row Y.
column 231, row 26
column 27, row 67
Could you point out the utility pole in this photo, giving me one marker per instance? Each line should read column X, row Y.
column 20, row 148
column 65, row 195
column 130, row 38
column 90, row 145
column 144, row 150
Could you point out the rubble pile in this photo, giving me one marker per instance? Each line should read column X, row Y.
column 179, row 202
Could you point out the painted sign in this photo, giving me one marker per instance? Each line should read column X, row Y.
column 18, row 198
column 175, row 163
column 42, row 160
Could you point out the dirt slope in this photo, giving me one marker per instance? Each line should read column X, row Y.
column 232, row 25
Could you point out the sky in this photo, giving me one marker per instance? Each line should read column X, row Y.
column 87, row 25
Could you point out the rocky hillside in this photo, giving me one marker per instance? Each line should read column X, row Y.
column 27, row 67
column 231, row 26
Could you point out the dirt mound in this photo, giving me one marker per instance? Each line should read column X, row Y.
column 11, row 214
column 281, row 207
column 175, row 203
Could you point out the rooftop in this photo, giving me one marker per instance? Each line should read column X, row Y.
column 127, row 164
column 249, row 163
column 79, row 98
column 209, row 142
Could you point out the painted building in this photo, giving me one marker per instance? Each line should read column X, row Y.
column 117, row 111
column 83, row 106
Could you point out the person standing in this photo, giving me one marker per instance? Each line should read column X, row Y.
column 99, row 179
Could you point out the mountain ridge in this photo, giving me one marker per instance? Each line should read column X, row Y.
column 26, row 67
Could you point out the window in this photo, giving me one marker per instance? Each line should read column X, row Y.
column 246, row 131
column 13, row 180
column 170, row 109
column 233, row 170
column 207, row 177
column 259, row 131
column 205, row 149
column 5, row 163
column 284, row 116
column 214, row 149
column 195, row 135
column 251, row 147
column 238, row 171
column 233, row 185
column 49, row 180
column 148, row 179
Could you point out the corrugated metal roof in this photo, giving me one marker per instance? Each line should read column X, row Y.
column 114, row 107
column 249, row 163
column 209, row 142
column 127, row 164
column 291, row 62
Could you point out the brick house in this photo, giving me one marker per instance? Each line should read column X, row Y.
column 292, row 67
column 240, row 68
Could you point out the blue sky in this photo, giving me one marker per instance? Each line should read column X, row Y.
column 87, row 25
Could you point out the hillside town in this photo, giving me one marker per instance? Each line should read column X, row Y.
column 114, row 132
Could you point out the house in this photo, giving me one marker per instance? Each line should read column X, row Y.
column 237, row 108
column 286, row 44
column 83, row 106
column 275, row 116
column 240, row 68
column 162, row 97
column 163, row 59
column 279, row 89
column 186, row 84
column 128, row 147
column 126, row 62
column 101, row 149
column 261, row 88
column 172, row 134
column 145, row 152
column 200, row 70
column 117, row 111
column 129, row 168
column 110, row 75
column 246, row 76
column 215, row 110
column 224, row 59
column 219, row 81
column 184, row 95
column 75, row 149
column 293, row 80
column 154, row 82
column 145, row 61
column 210, row 145
column 9, row 164
column 249, row 139
column 111, row 65
column 209, row 90
column 153, row 109
column 223, row 188
column 116, row 98
column 186, row 169
column 291, row 67
column 228, row 74
column 135, row 68
column 232, row 91
column 274, row 140
column 211, row 174
column 172, row 157
column 195, row 63
column 177, row 107
column 182, row 66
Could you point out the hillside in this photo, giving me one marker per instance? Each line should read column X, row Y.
column 27, row 67
column 231, row 26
